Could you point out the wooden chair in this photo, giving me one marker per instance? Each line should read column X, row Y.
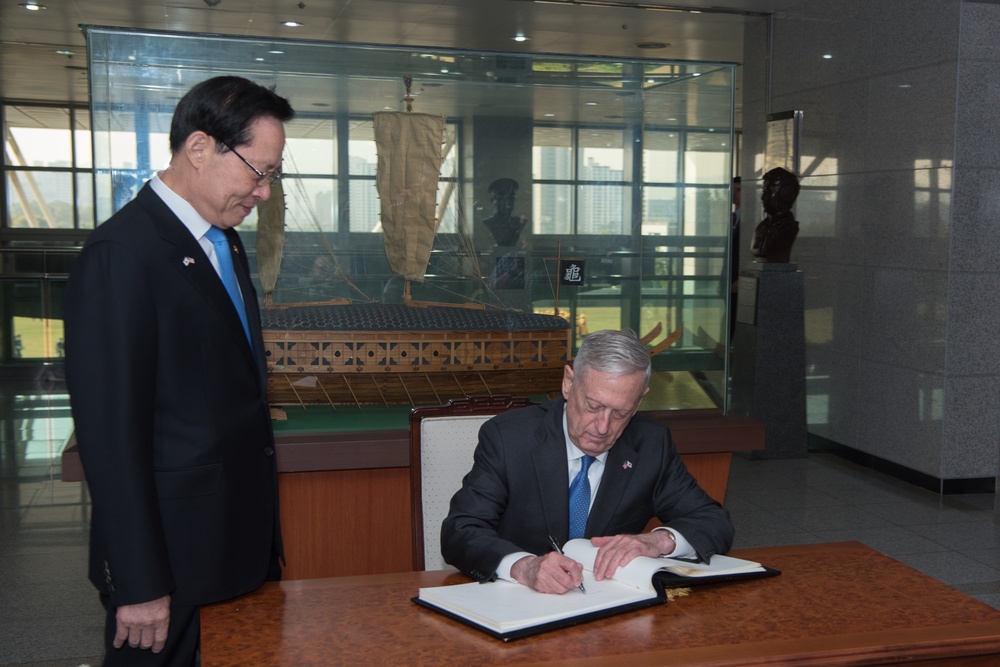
column 442, row 441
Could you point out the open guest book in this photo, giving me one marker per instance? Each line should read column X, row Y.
column 508, row 610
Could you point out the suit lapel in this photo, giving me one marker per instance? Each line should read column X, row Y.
column 618, row 473
column 553, row 488
column 250, row 302
column 188, row 258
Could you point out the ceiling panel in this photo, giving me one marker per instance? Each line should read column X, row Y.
column 30, row 69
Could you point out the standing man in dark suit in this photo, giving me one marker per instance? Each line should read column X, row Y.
column 167, row 382
column 518, row 492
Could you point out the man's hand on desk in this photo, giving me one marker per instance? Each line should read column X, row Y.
column 620, row 550
column 551, row 573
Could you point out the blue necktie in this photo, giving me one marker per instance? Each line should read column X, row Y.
column 224, row 255
column 579, row 499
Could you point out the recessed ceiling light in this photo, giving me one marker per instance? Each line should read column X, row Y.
column 259, row 59
column 32, row 6
column 591, row 104
column 827, row 56
column 905, row 85
column 64, row 52
column 520, row 37
column 276, row 52
column 291, row 24
column 549, row 115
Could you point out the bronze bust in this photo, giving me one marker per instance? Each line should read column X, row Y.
column 503, row 224
column 774, row 236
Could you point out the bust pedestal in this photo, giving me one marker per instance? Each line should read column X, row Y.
column 769, row 356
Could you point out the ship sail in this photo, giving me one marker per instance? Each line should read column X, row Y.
column 409, row 163
column 270, row 238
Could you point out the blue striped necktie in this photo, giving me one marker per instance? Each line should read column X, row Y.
column 579, row 499
column 226, row 272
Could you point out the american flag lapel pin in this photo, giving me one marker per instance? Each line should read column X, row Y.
column 626, row 465
column 236, row 250
column 188, row 261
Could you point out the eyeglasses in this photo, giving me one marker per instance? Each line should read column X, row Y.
column 263, row 177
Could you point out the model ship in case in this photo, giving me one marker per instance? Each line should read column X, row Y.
column 359, row 353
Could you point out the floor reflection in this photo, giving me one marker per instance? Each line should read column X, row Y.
column 49, row 613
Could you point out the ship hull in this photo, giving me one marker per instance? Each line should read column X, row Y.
column 342, row 365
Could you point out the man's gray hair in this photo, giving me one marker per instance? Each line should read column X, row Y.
column 612, row 351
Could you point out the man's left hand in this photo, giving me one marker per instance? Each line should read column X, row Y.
column 620, row 550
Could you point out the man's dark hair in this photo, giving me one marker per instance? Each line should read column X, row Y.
column 224, row 108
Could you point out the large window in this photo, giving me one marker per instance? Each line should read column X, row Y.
column 47, row 167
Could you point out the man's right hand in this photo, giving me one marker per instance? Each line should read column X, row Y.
column 143, row 625
column 551, row 573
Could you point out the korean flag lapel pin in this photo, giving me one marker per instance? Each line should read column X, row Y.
column 627, row 465
column 188, row 261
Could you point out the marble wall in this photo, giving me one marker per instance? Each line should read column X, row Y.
column 900, row 219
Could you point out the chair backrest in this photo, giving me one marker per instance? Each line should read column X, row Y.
column 442, row 441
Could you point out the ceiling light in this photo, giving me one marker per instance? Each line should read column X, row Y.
column 550, row 115
column 827, row 56
column 291, row 24
column 591, row 104
column 64, row 52
column 32, row 7
column 520, row 37
column 276, row 52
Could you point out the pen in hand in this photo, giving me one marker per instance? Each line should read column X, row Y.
column 558, row 550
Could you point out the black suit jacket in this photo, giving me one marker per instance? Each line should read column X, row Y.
column 169, row 404
column 516, row 494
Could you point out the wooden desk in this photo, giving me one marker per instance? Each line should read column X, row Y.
column 834, row 604
column 345, row 496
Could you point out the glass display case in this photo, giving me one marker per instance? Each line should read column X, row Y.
column 595, row 189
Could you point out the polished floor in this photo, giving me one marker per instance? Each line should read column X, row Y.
column 50, row 616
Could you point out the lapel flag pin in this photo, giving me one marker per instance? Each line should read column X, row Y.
column 188, row 261
column 236, row 250
column 626, row 465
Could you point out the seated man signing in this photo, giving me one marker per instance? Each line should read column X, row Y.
column 625, row 470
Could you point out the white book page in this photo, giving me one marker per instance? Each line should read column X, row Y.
column 718, row 564
column 504, row 606
column 637, row 574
